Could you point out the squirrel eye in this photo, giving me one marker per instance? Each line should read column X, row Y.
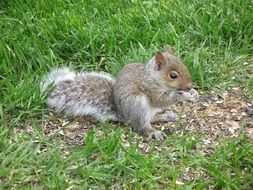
column 173, row 75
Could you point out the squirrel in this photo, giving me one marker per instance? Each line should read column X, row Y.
column 136, row 97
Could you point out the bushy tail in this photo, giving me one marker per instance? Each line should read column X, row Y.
column 55, row 76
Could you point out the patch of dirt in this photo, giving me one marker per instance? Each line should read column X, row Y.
column 223, row 115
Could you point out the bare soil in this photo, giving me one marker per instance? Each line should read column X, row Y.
column 226, row 115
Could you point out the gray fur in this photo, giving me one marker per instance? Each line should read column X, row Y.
column 78, row 94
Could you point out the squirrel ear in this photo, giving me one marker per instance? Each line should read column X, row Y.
column 159, row 61
column 169, row 49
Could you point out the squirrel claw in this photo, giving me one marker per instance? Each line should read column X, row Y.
column 157, row 135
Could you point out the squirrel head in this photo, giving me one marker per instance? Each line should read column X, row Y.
column 175, row 74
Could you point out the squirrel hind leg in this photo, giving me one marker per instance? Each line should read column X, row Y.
column 140, row 118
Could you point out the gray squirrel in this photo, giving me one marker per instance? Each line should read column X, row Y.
column 136, row 97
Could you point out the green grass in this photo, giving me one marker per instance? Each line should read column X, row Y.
column 214, row 39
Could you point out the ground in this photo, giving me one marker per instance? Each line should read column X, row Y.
column 214, row 116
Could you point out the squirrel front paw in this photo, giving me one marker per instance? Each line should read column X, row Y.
column 191, row 96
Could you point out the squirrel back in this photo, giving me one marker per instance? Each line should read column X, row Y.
column 78, row 94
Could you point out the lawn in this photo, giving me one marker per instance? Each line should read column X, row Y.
column 209, row 148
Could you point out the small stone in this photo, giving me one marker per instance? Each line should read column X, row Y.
column 236, row 88
column 243, row 114
column 61, row 132
column 205, row 104
column 233, row 110
column 179, row 182
column 183, row 116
